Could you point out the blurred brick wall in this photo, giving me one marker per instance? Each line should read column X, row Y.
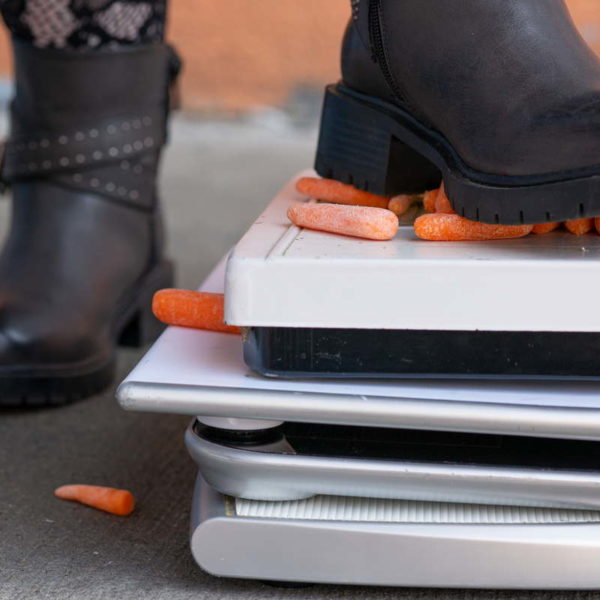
column 241, row 54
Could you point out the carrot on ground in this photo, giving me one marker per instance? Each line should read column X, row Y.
column 339, row 193
column 430, row 200
column 453, row 228
column 580, row 226
column 400, row 204
column 356, row 221
column 442, row 203
column 545, row 227
column 198, row 310
column 111, row 500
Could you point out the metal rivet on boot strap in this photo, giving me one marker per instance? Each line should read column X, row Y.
column 111, row 129
column 80, row 136
column 63, row 139
column 138, row 145
column 64, row 162
column 110, row 187
column 134, row 194
column 127, row 148
column 80, row 158
column 93, row 133
column 97, row 155
column 94, row 182
column 113, row 151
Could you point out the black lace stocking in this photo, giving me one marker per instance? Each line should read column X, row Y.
column 85, row 23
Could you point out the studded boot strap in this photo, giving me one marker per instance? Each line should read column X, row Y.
column 102, row 132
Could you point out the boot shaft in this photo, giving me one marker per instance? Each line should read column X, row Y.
column 56, row 88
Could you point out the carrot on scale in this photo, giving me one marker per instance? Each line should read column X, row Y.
column 545, row 227
column 356, row 221
column 111, row 500
column 197, row 310
column 580, row 226
column 400, row 204
column 441, row 227
column 338, row 193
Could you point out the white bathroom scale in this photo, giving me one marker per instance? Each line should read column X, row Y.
column 322, row 305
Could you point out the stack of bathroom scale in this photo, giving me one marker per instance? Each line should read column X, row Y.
column 400, row 413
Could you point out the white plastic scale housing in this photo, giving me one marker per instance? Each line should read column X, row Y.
column 282, row 276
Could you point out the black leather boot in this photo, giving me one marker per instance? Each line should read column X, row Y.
column 501, row 98
column 84, row 254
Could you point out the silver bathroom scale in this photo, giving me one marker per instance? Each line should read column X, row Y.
column 358, row 541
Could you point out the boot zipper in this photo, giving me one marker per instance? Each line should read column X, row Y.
column 377, row 46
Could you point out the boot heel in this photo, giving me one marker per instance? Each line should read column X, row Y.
column 143, row 327
column 356, row 146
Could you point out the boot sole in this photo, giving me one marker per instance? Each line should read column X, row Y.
column 380, row 148
column 134, row 326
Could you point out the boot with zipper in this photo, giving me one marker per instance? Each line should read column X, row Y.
column 84, row 254
column 499, row 98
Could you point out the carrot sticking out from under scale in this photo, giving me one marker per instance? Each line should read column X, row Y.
column 452, row 228
column 442, row 204
column 339, row 193
column 400, row 204
column 111, row 500
column 580, row 226
column 197, row 310
column 545, row 227
column 430, row 200
column 356, row 221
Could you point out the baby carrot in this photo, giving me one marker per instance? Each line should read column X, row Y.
column 356, row 221
column 580, row 226
column 452, row 228
column 442, row 204
column 338, row 193
column 111, row 500
column 198, row 310
column 545, row 227
column 430, row 200
column 400, row 204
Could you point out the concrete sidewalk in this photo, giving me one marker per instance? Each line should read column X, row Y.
column 218, row 176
